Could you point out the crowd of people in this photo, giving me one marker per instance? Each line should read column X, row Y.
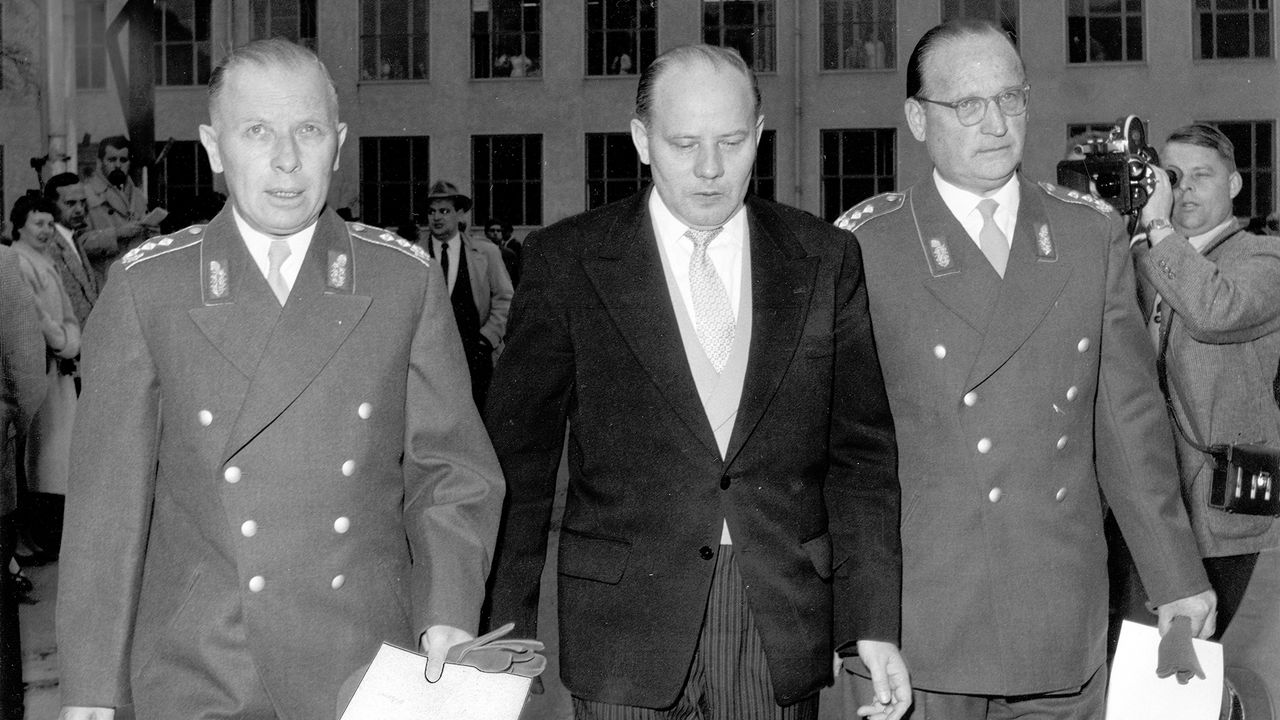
column 879, row 450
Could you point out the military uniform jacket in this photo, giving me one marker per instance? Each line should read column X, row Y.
column 267, row 491
column 1223, row 339
column 806, row 484
column 1015, row 401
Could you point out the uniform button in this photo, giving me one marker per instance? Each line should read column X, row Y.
column 249, row 528
column 971, row 398
column 341, row 525
column 984, row 446
column 338, row 581
column 256, row 583
column 205, row 417
column 1060, row 495
column 1083, row 344
column 1062, row 442
column 706, row 553
column 349, row 468
column 231, row 474
column 1072, row 392
column 724, row 483
column 995, row 495
column 939, row 351
column 364, row 411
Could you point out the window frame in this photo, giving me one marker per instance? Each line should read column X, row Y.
column 1197, row 44
column 91, row 47
column 1249, row 172
column 485, row 42
column 414, row 71
column 767, row 42
column 644, row 40
column 159, row 176
column 887, row 38
column 1123, row 14
column 305, row 8
column 484, row 182
column 765, row 175
column 161, row 43
column 416, row 185
column 1003, row 5
column 882, row 182
column 601, row 185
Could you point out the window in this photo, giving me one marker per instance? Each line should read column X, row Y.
column 182, row 42
column 181, row 179
column 764, row 176
column 1004, row 12
column 1255, row 159
column 290, row 19
column 394, row 175
column 507, row 172
column 393, row 39
column 506, row 38
column 748, row 26
column 1104, row 31
column 856, row 164
column 858, row 34
column 614, row 170
column 91, row 44
column 622, row 36
column 1232, row 29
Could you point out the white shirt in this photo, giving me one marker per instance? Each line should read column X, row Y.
column 725, row 251
column 1201, row 241
column 455, row 251
column 964, row 206
column 260, row 243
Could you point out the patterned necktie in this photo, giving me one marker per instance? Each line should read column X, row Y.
column 276, row 255
column 713, row 315
column 993, row 242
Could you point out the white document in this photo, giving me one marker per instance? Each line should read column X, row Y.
column 393, row 688
column 1135, row 693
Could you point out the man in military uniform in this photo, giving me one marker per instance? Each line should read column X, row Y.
column 1019, row 377
column 278, row 463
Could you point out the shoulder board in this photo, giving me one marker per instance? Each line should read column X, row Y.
column 879, row 205
column 157, row 246
column 385, row 238
column 1076, row 197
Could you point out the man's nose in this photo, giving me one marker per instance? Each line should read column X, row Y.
column 286, row 154
column 709, row 164
column 993, row 120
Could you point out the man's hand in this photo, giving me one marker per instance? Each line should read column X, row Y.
column 435, row 642
column 1160, row 204
column 130, row 230
column 889, row 678
column 86, row 713
column 1201, row 608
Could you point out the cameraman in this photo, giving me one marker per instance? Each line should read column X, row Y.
column 1211, row 293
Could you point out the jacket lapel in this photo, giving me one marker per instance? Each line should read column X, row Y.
column 313, row 324
column 782, row 280
column 1033, row 279
column 624, row 266
column 959, row 275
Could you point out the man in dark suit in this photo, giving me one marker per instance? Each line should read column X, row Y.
column 278, row 465
column 1019, row 374
column 732, row 503
column 22, row 388
column 70, row 233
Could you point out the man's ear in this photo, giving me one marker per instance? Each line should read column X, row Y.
column 916, row 119
column 209, row 139
column 640, row 138
column 1235, row 183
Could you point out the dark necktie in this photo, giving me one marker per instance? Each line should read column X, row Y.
column 444, row 260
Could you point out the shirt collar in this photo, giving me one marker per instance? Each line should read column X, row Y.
column 961, row 202
column 668, row 227
column 298, row 241
column 1201, row 241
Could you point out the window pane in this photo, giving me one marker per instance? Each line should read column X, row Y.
column 395, row 40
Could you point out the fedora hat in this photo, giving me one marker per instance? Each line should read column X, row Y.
column 444, row 190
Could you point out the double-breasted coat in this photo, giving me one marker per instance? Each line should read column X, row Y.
column 261, row 495
column 1018, row 403
column 807, row 483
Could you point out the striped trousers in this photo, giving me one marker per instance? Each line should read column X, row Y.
column 729, row 677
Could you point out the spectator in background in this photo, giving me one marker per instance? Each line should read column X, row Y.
column 69, row 250
column 1211, row 293
column 22, row 389
column 499, row 233
column 117, row 206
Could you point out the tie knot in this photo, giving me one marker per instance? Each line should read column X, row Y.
column 987, row 208
column 702, row 238
column 278, row 252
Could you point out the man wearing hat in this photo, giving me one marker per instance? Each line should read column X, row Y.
column 479, row 287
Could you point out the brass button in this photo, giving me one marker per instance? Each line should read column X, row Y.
column 1083, row 344
column 971, row 398
column 995, row 495
column 364, row 411
column 349, row 468
column 231, row 474
column 256, row 583
column 984, row 446
column 249, row 528
column 341, row 525
column 205, row 417
column 1062, row 442
column 338, row 581
column 1072, row 392
column 939, row 351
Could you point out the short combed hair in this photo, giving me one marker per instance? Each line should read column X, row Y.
column 118, row 142
column 59, row 181
column 714, row 55
column 951, row 30
column 275, row 52
column 1206, row 136
column 24, row 206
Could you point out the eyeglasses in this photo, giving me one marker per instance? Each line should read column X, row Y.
column 971, row 110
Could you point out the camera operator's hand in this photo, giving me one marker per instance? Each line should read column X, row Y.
column 1158, row 206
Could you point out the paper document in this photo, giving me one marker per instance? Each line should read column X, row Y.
column 155, row 216
column 1135, row 693
column 393, row 688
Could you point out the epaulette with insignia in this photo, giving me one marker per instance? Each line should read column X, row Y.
column 864, row 211
column 157, row 246
column 378, row 236
column 1077, row 197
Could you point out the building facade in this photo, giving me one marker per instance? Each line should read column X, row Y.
column 526, row 103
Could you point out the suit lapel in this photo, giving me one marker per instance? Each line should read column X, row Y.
column 960, row 276
column 313, row 324
column 1032, row 281
column 625, row 268
column 782, row 280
